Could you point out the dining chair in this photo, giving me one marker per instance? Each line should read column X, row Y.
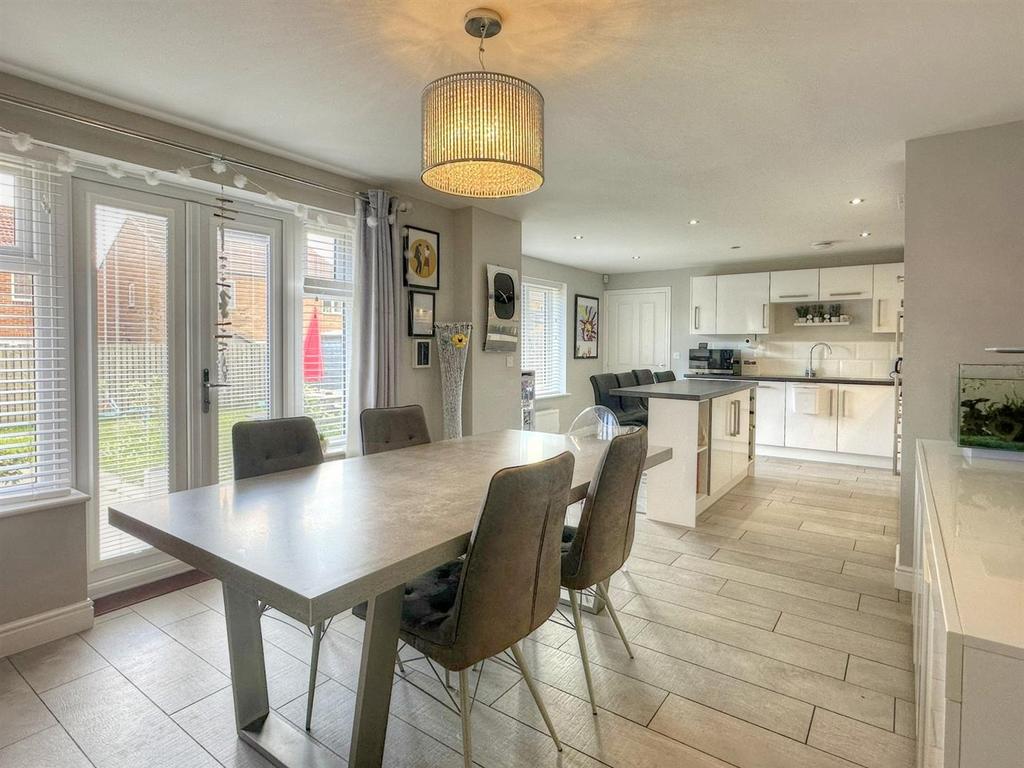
column 630, row 379
column 602, row 384
column 389, row 429
column 600, row 544
column 644, row 375
column 276, row 445
column 660, row 376
column 507, row 585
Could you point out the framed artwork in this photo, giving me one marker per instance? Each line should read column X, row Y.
column 586, row 324
column 421, row 313
column 502, row 309
column 421, row 250
column 421, row 354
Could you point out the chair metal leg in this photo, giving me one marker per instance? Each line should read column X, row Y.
column 521, row 663
column 615, row 617
column 574, row 600
column 467, row 738
column 447, row 679
column 314, row 661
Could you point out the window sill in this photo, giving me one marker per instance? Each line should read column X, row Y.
column 555, row 396
column 26, row 505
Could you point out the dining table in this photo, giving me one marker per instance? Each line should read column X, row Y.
column 316, row 541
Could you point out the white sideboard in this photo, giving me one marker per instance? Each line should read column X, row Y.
column 968, row 609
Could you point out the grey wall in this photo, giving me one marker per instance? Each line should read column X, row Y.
column 964, row 276
column 679, row 281
column 577, row 372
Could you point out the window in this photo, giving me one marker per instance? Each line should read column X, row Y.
column 544, row 334
column 326, row 344
column 35, row 427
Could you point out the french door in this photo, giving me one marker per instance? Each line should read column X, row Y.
column 177, row 338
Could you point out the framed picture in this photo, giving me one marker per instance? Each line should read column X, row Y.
column 421, row 250
column 421, row 313
column 421, row 354
column 586, row 324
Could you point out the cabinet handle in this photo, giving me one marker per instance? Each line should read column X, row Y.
column 794, row 295
column 764, row 316
column 846, row 293
column 735, row 418
column 880, row 311
column 842, row 403
column 696, row 317
column 831, row 392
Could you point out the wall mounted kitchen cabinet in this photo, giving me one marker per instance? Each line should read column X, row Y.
column 703, row 304
column 743, row 304
column 794, row 285
column 839, row 283
column 887, row 297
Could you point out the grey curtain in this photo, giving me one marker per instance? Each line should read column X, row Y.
column 374, row 380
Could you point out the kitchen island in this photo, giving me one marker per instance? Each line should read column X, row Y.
column 710, row 427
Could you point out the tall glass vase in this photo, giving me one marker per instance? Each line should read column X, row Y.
column 453, row 349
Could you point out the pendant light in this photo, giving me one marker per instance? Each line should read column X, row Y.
column 483, row 132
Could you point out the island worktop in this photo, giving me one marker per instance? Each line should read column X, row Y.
column 685, row 389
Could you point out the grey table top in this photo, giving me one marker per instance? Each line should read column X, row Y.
column 684, row 389
column 313, row 542
column 797, row 379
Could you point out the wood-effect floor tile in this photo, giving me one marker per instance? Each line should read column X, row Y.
column 51, row 748
column 895, row 654
column 22, row 713
column 883, row 678
column 52, row 664
column 859, row 743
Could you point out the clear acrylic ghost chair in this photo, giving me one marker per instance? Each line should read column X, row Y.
column 595, row 421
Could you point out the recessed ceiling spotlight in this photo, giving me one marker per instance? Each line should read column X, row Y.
column 636, row 258
column 577, row 237
column 694, row 222
column 857, row 201
column 865, row 233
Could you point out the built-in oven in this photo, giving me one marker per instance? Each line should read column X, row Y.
column 719, row 361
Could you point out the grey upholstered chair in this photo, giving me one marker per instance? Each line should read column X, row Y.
column 660, row 376
column 629, row 379
column 627, row 413
column 644, row 375
column 388, row 429
column 600, row 544
column 276, row 445
column 505, row 587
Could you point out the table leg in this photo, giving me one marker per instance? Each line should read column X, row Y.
column 376, row 677
column 283, row 744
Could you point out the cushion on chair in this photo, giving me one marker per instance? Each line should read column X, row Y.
column 428, row 602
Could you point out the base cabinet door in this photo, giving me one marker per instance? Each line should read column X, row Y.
column 771, row 413
column 741, row 438
column 866, row 419
column 722, row 427
column 811, row 420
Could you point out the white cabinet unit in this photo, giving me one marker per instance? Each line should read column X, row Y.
column 771, row 413
column 845, row 283
column 703, row 301
column 887, row 295
column 811, row 420
column 730, row 440
column 865, row 419
column 794, row 285
column 743, row 303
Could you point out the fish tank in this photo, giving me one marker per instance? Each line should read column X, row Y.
column 991, row 407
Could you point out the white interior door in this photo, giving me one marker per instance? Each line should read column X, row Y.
column 637, row 329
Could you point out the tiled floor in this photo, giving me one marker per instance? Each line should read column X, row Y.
column 769, row 637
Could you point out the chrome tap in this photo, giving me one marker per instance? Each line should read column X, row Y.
column 809, row 373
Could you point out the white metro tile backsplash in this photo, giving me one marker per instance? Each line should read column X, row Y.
column 852, row 359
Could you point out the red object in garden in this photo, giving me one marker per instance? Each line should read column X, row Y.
column 312, row 351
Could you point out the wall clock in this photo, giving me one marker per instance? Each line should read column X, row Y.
column 502, row 309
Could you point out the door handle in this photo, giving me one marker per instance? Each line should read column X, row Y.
column 764, row 316
column 207, row 386
column 846, row 293
column 696, row 317
column 794, row 295
column 831, row 394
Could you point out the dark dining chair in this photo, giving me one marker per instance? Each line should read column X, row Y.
column 644, row 375
column 599, row 546
column 276, row 445
column 660, row 376
column 506, row 586
column 629, row 379
column 388, row 429
column 628, row 414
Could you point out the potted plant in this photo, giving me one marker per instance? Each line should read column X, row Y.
column 819, row 313
column 802, row 312
column 834, row 312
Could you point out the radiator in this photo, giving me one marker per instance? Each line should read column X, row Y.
column 546, row 421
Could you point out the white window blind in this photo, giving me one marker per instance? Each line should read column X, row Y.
column 543, row 334
column 326, row 346
column 35, row 427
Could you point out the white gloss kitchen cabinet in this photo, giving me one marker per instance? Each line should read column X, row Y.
column 703, row 304
column 865, row 422
column 845, row 283
column 811, row 420
column 743, row 303
column 887, row 297
column 730, row 440
column 794, row 285
column 771, row 413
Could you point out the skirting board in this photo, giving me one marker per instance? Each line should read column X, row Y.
column 827, row 457
column 903, row 578
column 19, row 635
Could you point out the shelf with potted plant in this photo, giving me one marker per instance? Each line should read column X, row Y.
column 815, row 316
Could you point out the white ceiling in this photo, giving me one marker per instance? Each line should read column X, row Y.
column 761, row 119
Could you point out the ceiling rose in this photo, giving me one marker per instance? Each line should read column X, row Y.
column 483, row 132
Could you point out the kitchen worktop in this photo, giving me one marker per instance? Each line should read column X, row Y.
column 886, row 382
column 685, row 389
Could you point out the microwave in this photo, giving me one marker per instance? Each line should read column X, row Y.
column 704, row 360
